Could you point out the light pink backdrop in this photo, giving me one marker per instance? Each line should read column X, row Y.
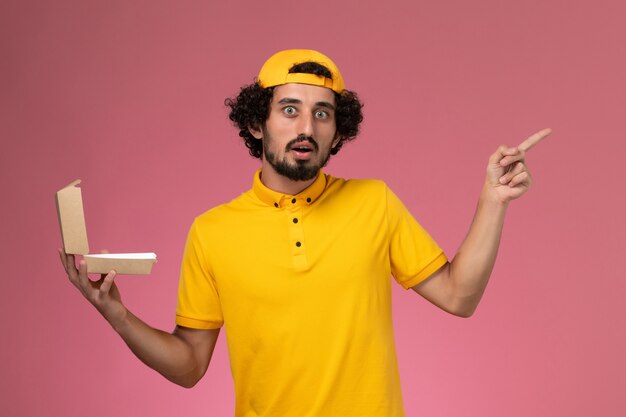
column 128, row 97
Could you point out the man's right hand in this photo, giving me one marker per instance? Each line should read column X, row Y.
column 103, row 294
column 182, row 356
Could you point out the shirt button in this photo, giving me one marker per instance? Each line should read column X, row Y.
column 293, row 200
column 275, row 204
column 295, row 220
column 298, row 244
column 308, row 200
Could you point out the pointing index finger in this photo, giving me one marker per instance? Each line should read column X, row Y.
column 534, row 139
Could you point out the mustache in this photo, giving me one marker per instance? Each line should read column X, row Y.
column 302, row 138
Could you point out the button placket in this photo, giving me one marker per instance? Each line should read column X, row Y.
column 296, row 235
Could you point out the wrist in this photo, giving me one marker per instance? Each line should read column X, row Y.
column 490, row 197
column 119, row 321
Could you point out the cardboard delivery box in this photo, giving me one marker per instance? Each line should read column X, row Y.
column 74, row 233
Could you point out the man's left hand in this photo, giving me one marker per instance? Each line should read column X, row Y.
column 507, row 174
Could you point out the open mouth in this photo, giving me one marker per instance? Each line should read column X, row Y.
column 302, row 149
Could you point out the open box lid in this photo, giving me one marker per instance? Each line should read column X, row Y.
column 69, row 202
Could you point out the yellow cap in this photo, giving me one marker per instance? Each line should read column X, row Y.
column 275, row 71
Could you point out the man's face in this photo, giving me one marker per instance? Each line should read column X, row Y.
column 300, row 131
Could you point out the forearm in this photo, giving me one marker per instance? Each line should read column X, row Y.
column 472, row 266
column 166, row 353
column 459, row 286
column 182, row 357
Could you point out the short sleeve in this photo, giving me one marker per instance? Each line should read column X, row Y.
column 198, row 298
column 414, row 255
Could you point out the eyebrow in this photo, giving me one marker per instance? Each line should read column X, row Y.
column 289, row 100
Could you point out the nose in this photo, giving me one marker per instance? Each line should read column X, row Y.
column 305, row 126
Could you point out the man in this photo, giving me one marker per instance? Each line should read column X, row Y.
column 298, row 268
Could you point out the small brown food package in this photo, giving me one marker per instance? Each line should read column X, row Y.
column 69, row 202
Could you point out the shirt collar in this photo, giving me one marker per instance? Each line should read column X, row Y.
column 277, row 199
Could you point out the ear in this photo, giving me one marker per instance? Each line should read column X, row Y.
column 256, row 132
column 336, row 141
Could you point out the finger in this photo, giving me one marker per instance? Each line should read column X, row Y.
column 502, row 152
column 509, row 160
column 534, row 139
column 516, row 169
column 83, row 279
column 70, row 268
column 107, row 282
column 63, row 258
column 522, row 178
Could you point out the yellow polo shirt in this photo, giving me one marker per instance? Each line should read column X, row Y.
column 302, row 285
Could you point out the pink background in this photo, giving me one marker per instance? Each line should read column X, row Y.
column 128, row 96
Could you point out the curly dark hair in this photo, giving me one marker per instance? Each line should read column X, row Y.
column 251, row 109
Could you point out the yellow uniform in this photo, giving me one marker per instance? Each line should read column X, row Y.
column 302, row 285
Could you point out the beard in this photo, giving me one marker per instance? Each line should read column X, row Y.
column 300, row 170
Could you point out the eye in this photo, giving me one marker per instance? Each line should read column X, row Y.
column 289, row 110
column 321, row 114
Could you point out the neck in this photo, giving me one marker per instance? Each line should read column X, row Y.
column 276, row 182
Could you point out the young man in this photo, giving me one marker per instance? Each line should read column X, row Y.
column 298, row 268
